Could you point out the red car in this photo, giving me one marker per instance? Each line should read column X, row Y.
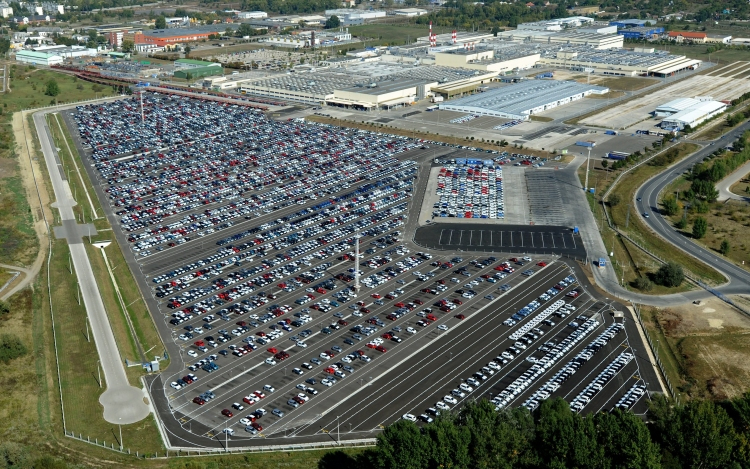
column 399, row 305
column 459, row 316
column 542, row 264
column 458, row 302
column 364, row 310
column 330, row 354
column 343, row 323
column 431, row 317
column 380, row 348
column 273, row 350
column 387, row 336
column 227, row 413
column 199, row 400
column 330, row 370
column 256, row 426
column 376, row 296
column 200, row 343
column 418, row 301
column 260, row 334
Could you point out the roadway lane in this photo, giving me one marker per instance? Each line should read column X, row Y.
column 724, row 185
column 122, row 402
column 649, row 193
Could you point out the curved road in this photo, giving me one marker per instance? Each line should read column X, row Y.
column 739, row 279
column 724, row 185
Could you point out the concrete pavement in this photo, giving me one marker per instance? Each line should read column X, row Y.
column 122, row 402
column 724, row 185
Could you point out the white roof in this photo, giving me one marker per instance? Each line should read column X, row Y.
column 677, row 105
column 694, row 113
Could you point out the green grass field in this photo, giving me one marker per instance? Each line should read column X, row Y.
column 390, row 34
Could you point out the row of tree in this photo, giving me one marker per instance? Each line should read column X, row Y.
column 700, row 434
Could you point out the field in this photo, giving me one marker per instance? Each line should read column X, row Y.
column 706, row 346
column 726, row 221
column 390, row 34
column 741, row 187
column 626, row 83
column 630, row 261
column 700, row 52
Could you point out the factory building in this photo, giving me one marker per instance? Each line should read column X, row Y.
column 642, row 32
column 597, row 41
column 693, row 115
column 521, row 100
column 182, row 64
column 618, row 62
column 198, row 72
column 485, row 59
column 38, row 58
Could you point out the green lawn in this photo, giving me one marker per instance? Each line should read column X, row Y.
column 28, row 85
column 390, row 34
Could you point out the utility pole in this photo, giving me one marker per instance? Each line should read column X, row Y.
column 627, row 218
column 356, row 265
column 88, row 336
column 586, row 184
column 120, row 425
column 338, row 433
column 99, row 370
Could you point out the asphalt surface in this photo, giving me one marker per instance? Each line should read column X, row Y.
column 649, row 195
column 504, row 238
column 409, row 377
column 122, row 402
column 724, row 185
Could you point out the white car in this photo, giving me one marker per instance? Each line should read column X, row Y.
column 269, row 388
column 324, row 356
column 229, row 431
column 192, row 353
column 442, row 405
column 409, row 417
column 301, row 344
column 458, row 393
column 326, row 382
column 465, row 387
column 443, row 327
column 270, row 361
column 175, row 385
column 411, row 330
column 450, row 400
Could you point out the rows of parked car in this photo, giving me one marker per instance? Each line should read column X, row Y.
column 588, row 352
column 507, row 125
column 470, row 191
column 207, row 165
column 601, row 380
column 632, row 396
column 463, row 119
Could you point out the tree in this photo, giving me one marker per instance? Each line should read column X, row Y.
column 128, row 46
column 605, row 163
column 161, row 22
column 187, row 50
column 401, row 445
column 700, row 226
column 11, row 347
column 4, row 45
column 333, row 22
column 699, row 434
column 725, row 247
column 4, row 308
column 643, row 283
column 53, row 89
column 671, row 206
column 613, row 200
column 670, row 274
column 626, row 440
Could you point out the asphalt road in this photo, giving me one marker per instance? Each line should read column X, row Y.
column 649, row 193
column 122, row 402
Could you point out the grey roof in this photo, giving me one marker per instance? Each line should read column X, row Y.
column 519, row 99
column 386, row 86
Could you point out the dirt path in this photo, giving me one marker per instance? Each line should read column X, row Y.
column 36, row 194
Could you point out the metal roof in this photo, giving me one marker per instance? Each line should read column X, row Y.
column 519, row 99
column 696, row 112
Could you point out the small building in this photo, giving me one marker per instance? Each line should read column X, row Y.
column 740, row 41
column 693, row 115
column 687, row 36
column 631, row 23
column 252, row 15
column 6, row 11
column 38, row 58
column 409, row 12
column 719, row 38
column 386, row 94
column 183, row 64
column 199, row 72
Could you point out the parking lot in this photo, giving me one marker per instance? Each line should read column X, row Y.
column 243, row 234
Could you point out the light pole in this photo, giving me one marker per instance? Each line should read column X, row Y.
column 99, row 370
column 120, row 425
column 586, row 184
column 338, row 433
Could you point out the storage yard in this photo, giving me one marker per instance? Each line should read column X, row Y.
column 243, row 234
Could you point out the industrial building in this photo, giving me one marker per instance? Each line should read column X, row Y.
column 597, row 41
column 692, row 115
column 369, row 85
column 618, row 62
column 521, row 100
column 487, row 59
column 556, row 24
column 252, row 15
column 165, row 37
column 462, row 37
column 632, row 23
column 38, row 58
column 642, row 32
column 199, row 72
column 182, row 64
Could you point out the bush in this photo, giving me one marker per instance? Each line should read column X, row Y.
column 52, row 89
column 670, row 275
column 11, row 348
column 725, row 247
column 643, row 283
column 613, row 200
column 681, row 223
column 4, row 308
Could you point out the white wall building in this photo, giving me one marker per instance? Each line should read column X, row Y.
column 252, row 15
column 409, row 12
column 6, row 11
column 693, row 115
column 38, row 58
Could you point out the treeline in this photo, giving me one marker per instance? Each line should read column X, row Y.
column 699, row 434
column 486, row 15
column 289, row 7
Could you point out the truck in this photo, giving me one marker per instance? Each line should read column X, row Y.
column 586, row 143
column 610, row 132
column 437, row 99
column 546, row 75
column 617, row 155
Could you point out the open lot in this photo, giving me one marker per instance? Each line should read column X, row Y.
column 632, row 112
column 248, row 268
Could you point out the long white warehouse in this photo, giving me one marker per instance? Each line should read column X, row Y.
column 523, row 99
column 693, row 115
